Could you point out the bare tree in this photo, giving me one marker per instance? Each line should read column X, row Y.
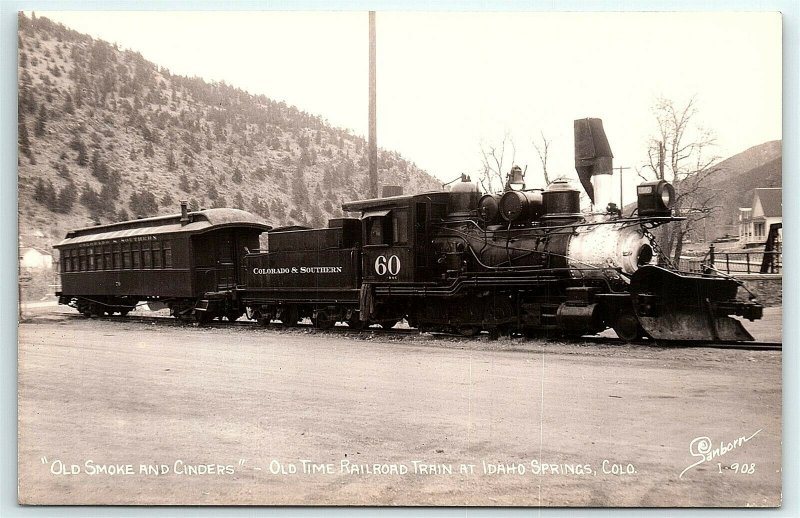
column 542, row 148
column 679, row 153
column 493, row 162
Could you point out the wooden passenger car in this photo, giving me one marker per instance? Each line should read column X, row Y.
column 178, row 260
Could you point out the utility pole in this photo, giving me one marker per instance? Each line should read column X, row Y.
column 372, row 148
column 620, row 186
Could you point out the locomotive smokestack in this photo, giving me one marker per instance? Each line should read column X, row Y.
column 593, row 160
column 184, row 212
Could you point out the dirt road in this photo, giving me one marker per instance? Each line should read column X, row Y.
column 130, row 412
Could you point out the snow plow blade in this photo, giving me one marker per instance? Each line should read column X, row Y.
column 690, row 307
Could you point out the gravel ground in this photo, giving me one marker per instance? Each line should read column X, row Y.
column 135, row 412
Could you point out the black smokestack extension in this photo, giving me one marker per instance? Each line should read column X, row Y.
column 592, row 153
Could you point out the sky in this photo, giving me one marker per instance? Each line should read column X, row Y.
column 450, row 84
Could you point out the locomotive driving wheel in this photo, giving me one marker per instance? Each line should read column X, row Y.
column 388, row 324
column 355, row 322
column 233, row 315
column 289, row 316
column 322, row 321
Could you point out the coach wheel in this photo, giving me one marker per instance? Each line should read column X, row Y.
column 202, row 317
column 627, row 327
column 469, row 330
column 322, row 321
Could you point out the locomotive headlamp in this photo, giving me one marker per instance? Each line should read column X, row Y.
column 655, row 198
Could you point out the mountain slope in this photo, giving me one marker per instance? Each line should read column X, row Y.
column 105, row 135
column 736, row 180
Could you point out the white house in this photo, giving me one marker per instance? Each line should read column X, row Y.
column 35, row 258
column 754, row 222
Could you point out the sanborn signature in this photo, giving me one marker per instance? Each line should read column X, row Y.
column 703, row 448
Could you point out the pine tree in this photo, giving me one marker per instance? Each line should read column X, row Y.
column 183, row 183
column 24, row 140
column 69, row 108
column 83, row 157
column 40, row 192
column 212, row 192
column 237, row 176
column 170, row 160
column 238, row 201
column 66, row 198
column 41, row 121
column 299, row 189
column 166, row 200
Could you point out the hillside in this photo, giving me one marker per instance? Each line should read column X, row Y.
column 105, row 135
column 736, row 180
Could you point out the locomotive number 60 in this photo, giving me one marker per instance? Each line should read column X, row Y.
column 390, row 265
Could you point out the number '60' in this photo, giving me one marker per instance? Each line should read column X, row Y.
column 390, row 265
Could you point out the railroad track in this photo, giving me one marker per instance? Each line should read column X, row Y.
column 308, row 327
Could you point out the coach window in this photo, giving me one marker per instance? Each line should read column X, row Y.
column 64, row 261
column 98, row 257
column 126, row 256
column 82, row 259
column 117, row 253
column 137, row 255
column 156, row 254
column 90, row 259
column 107, row 253
column 72, row 260
column 167, row 254
column 147, row 259
column 400, row 226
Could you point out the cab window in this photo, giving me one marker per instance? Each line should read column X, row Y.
column 400, row 226
column 377, row 232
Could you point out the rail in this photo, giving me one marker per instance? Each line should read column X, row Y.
column 732, row 263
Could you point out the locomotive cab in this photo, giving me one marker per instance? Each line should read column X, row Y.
column 396, row 234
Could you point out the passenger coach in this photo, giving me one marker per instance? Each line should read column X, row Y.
column 180, row 260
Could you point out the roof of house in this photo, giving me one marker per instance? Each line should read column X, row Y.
column 770, row 201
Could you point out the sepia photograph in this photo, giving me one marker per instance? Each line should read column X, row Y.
column 400, row 258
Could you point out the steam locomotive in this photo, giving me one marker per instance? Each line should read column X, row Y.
column 524, row 261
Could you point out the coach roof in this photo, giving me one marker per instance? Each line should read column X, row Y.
column 199, row 222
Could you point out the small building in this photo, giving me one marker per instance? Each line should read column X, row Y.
column 755, row 221
column 30, row 257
